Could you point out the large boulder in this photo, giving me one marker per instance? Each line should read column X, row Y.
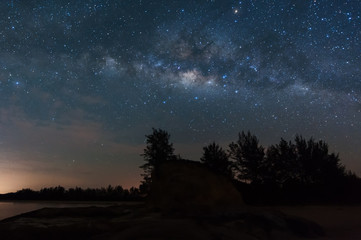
column 187, row 186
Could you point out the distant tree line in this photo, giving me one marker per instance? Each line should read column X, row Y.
column 59, row 193
column 299, row 171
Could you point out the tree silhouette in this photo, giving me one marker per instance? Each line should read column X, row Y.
column 317, row 164
column 281, row 164
column 75, row 194
column 158, row 150
column 216, row 159
column 302, row 162
column 248, row 156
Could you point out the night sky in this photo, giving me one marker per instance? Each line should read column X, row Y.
column 82, row 82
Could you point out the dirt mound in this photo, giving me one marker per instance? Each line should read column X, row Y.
column 183, row 185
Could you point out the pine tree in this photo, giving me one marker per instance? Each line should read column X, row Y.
column 216, row 159
column 157, row 151
column 248, row 156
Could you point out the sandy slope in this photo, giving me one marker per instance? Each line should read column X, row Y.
column 338, row 222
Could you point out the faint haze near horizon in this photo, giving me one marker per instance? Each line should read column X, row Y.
column 82, row 82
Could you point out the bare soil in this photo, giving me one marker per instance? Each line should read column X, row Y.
column 141, row 222
column 338, row 222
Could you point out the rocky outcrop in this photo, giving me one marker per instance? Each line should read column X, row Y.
column 189, row 186
column 136, row 221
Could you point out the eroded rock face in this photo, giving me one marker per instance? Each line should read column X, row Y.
column 183, row 185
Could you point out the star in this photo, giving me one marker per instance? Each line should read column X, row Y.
column 74, row 75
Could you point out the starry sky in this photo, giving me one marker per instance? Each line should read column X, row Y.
column 82, row 82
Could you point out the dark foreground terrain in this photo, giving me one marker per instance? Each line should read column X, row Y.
column 136, row 221
column 338, row 221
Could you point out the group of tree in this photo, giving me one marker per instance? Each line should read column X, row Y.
column 298, row 171
column 59, row 193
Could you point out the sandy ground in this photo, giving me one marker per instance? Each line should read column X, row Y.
column 338, row 222
column 13, row 208
column 140, row 222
